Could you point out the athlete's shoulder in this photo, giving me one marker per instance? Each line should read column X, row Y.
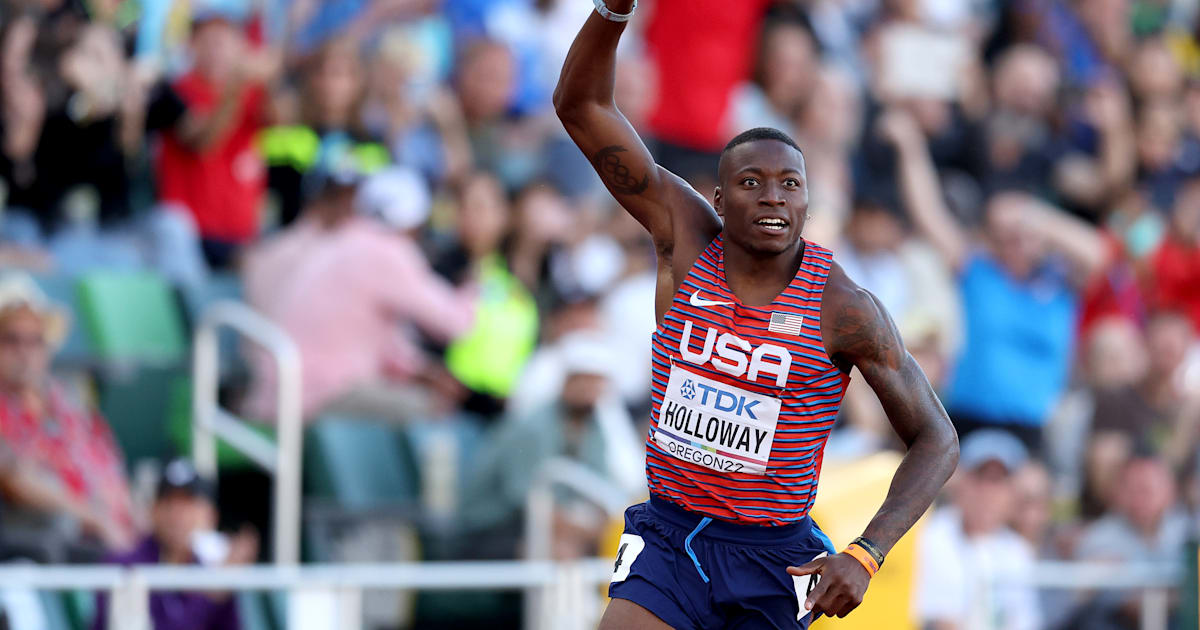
column 840, row 289
column 818, row 251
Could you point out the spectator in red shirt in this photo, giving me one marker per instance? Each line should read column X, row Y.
column 209, row 164
column 702, row 50
column 60, row 468
column 1175, row 266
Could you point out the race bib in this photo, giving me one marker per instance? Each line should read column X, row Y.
column 804, row 584
column 628, row 549
column 718, row 426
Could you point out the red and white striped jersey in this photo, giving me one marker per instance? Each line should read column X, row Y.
column 743, row 397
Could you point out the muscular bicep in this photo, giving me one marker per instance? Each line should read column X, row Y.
column 861, row 334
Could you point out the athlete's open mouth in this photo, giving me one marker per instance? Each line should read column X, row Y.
column 772, row 223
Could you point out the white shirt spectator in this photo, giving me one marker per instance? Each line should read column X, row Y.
column 954, row 572
column 629, row 323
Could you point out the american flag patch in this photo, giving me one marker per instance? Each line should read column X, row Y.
column 786, row 323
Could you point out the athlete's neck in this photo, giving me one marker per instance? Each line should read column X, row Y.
column 757, row 280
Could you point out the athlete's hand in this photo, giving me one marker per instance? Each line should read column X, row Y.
column 843, row 583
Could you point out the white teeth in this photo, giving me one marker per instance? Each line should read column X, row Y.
column 772, row 224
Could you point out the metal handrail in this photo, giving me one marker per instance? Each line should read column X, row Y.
column 1153, row 579
column 570, row 588
column 539, row 529
column 1058, row 574
column 490, row 574
column 539, row 503
column 209, row 421
column 456, row 575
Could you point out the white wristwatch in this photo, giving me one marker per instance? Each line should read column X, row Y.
column 612, row 16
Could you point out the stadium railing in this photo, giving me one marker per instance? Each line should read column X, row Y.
column 1154, row 580
column 541, row 612
column 330, row 596
column 281, row 458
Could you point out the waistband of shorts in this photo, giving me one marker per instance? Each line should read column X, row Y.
column 729, row 531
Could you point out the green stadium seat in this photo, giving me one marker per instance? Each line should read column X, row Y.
column 360, row 464
column 138, row 404
column 132, row 317
column 355, row 471
column 277, row 603
column 55, row 609
column 81, row 608
column 450, row 610
column 254, row 611
column 179, row 430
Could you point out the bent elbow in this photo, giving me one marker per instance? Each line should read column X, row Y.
column 574, row 106
column 950, row 448
column 565, row 107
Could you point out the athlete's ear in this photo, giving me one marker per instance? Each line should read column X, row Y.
column 717, row 202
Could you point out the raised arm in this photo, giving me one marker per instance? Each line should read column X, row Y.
column 1076, row 241
column 584, row 102
column 200, row 132
column 858, row 332
column 920, row 189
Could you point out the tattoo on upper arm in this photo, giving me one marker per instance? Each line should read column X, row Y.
column 616, row 175
column 863, row 331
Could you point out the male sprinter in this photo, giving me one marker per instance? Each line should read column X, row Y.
column 758, row 331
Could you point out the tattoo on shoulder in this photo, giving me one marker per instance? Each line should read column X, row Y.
column 614, row 173
column 863, row 330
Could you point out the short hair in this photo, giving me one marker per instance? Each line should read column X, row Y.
column 760, row 133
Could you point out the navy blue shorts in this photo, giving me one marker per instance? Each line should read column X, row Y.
column 695, row 572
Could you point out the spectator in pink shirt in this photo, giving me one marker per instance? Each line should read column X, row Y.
column 350, row 285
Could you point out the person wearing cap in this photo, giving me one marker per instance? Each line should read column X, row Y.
column 967, row 544
column 586, row 423
column 183, row 519
column 351, row 286
column 62, row 476
column 209, row 164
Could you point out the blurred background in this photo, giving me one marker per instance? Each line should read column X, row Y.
column 350, row 239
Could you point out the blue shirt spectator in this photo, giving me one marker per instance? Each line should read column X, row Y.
column 1019, row 283
column 1019, row 340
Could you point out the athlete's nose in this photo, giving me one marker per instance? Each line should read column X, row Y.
column 772, row 195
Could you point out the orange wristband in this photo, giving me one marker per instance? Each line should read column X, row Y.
column 864, row 558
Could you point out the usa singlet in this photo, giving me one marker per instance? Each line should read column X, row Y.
column 743, row 397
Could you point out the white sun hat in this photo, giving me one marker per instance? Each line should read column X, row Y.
column 18, row 290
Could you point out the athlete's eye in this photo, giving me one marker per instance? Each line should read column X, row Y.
column 750, row 182
column 791, row 182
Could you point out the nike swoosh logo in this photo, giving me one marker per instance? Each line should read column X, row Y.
column 698, row 302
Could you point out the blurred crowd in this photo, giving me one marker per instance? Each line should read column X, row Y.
column 1018, row 181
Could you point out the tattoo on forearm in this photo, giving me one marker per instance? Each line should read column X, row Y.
column 615, row 174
